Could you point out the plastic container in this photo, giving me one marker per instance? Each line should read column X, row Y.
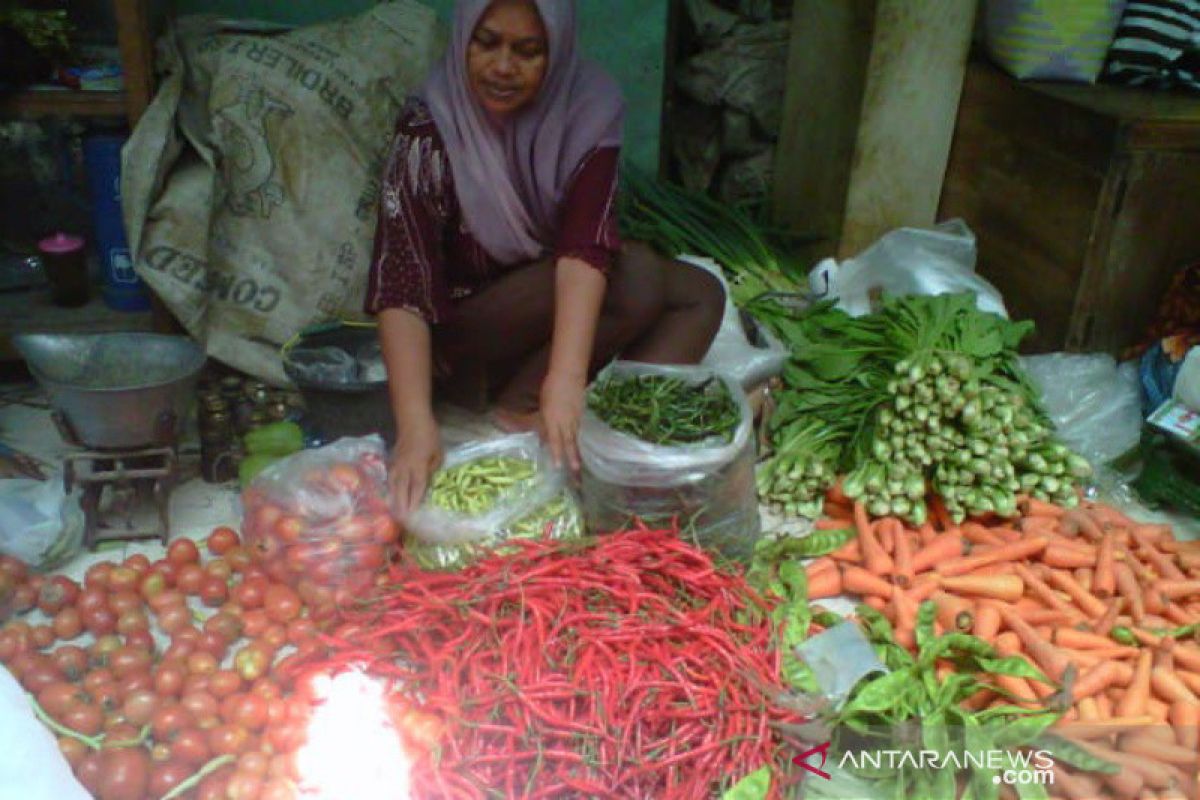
column 66, row 268
column 123, row 290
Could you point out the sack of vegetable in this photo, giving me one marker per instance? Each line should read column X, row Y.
column 319, row 519
column 485, row 494
column 663, row 443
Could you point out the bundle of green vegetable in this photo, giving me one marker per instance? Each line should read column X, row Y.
column 925, row 394
column 477, row 486
column 664, row 410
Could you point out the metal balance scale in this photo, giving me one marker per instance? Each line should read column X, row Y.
column 120, row 399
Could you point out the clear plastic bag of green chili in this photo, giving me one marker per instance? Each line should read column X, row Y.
column 485, row 493
column 706, row 486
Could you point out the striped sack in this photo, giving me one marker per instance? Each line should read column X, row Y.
column 1157, row 45
column 1063, row 40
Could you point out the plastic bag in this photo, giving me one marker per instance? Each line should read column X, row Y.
column 319, row 520
column 1187, row 382
column 1094, row 404
column 908, row 261
column 750, row 360
column 435, row 525
column 707, row 487
column 39, row 522
column 32, row 767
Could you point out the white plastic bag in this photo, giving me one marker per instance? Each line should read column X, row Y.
column 707, row 487
column 31, row 765
column 39, row 523
column 1187, row 381
column 1096, row 406
column 731, row 352
column 432, row 525
column 907, row 261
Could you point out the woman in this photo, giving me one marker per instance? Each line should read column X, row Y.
column 497, row 239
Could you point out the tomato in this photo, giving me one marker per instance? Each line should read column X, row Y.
column 240, row 559
column 175, row 619
column 255, row 573
column 40, row 672
column 213, row 644
column 56, row 594
column 219, row 569
column 56, row 698
column 183, row 551
column 191, row 747
column 123, row 579
column 254, row 763
column 267, row 689
column 73, row 750
column 283, row 767
column 165, row 568
column 201, row 663
column 213, row 592
column 135, row 683
column 243, row 786
column 384, row 529
column 250, row 593
column 42, row 636
column 254, row 622
column 71, row 660
column 85, row 718
column 152, row 585
column 126, row 661
column 12, row 644
column 96, row 575
column 139, row 706
column 190, row 578
column 224, row 682
column 195, row 683
column 367, row 557
column 124, row 600
column 133, row 620
column 213, row 787
column 228, row 739
column 118, row 732
column 200, row 704
column 126, row 774
column 274, row 637
column 142, row 639
column 99, row 621
column 249, row 711
column 282, row 604
column 224, row 624
column 166, row 776
column 221, row 540
column 300, row 631
column 169, row 720
column 251, row 662
column 168, row 678
column 167, row 599
column 138, row 562
column 90, row 769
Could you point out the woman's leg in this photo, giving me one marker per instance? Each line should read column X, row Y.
column 693, row 305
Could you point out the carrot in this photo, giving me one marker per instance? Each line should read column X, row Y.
column 1127, row 783
column 1160, row 561
column 1157, row 749
column 1105, row 581
column 835, row 493
column 978, row 535
column 857, row 580
column 1108, row 515
column 1039, row 526
column 1155, row 773
column 1167, row 686
column 905, row 617
column 979, row 700
column 946, row 546
column 875, row 560
column 1050, row 616
column 1018, row 689
column 831, row 523
column 1065, row 556
column 987, row 622
column 1103, row 728
column 1082, row 522
column 1040, row 589
column 1032, row 507
column 954, row 613
column 851, row 551
column 1114, row 652
column 826, row 583
column 1187, row 656
column 1079, row 640
column 1017, row 551
column 1185, row 719
column 876, row 602
column 1143, row 573
column 1105, row 704
column 923, row 587
column 997, row 587
column 1075, row 785
column 1178, row 615
column 886, row 533
column 1083, row 576
column 1177, row 589
column 1051, row 659
column 902, row 557
column 1104, row 624
column 995, row 569
column 926, row 533
column 1128, row 585
column 1065, row 581
column 1088, row 709
column 1097, row 679
column 1134, row 701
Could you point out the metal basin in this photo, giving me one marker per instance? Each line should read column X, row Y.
column 116, row 390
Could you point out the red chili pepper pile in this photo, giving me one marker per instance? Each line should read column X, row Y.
column 634, row 668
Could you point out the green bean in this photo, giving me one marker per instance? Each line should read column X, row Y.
column 663, row 410
column 478, row 486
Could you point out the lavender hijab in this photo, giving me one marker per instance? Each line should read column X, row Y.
column 511, row 177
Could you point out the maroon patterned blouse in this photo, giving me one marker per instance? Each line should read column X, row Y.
column 425, row 258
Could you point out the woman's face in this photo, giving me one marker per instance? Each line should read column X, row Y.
column 507, row 56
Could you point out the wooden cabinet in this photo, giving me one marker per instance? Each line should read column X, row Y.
column 1085, row 200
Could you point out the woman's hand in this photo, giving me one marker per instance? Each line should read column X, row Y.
column 418, row 453
column 562, row 410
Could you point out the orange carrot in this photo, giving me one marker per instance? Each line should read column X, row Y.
column 857, row 580
column 1134, row 702
column 997, row 587
column 1156, row 774
column 1019, row 690
column 902, row 557
column 1088, row 709
column 826, row 583
column 851, row 551
column 1064, row 556
column 886, row 534
column 827, row 523
column 1079, row 519
column 1083, row 576
column 876, row 602
column 1105, row 704
column 1187, row 656
column 1051, row 659
column 1017, row 551
column 1079, row 640
column 1160, row 561
column 1032, row 507
column 1065, row 581
column 1077, row 786
column 1177, row 589
column 954, row 613
column 946, row 546
column 1040, row 589
column 924, row 587
column 1144, row 574
column 1039, row 526
column 835, row 493
column 987, row 622
column 1153, row 747
column 1105, row 623
column 1178, row 615
column 1185, row 720
column 1128, row 585
column 978, row 535
column 874, row 559
column 905, row 617
column 1105, row 581
column 979, row 700
column 1168, row 687
column 926, row 533
column 1096, row 680
column 940, row 515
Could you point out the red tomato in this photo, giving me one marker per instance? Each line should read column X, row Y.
column 190, row 578
column 219, row 569
column 169, row 720
column 132, row 620
column 191, row 747
column 183, row 551
column 165, row 568
column 141, row 638
column 91, row 598
column 249, row 711
column 228, row 739
column 123, row 600
column 99, row 621
column 213, row 787
column 57, row 593
column 141, row 681
column 42, row 636
column 240, row 559
column 89, row 771
column 138, row 562
column 85, row 718
column 274, row 637
column 126, row 661
column 282, row 604
column 169, row 598
column 71, row 660
column 126, row 774
column 38, row 672
column 289, row 530
column 221, row 540
column 300, row 631
column 123, row 579
column 251, row 662
column 139, row 706
column 153, row 584
column 254, row 763
column 213, row 592
column 243, row 786
column 224, row 682
column 168, row 678
column 214, row 644
column 201, row 663
column 200, row 704
column 224, row 624
column 73, row 750
column 56, row 698
column 166, row 776
column 96, row 575
column 175, row 619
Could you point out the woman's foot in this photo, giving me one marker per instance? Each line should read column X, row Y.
column 511, row 421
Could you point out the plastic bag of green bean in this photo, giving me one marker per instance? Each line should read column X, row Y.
column 486, row 493
column 701, row 476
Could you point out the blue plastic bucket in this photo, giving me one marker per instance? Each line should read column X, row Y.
column 123, row 290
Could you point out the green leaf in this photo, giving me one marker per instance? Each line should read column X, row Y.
column 1015, row 666
column 754, row 786
column 878, row 694
column 1067, row 752
column 926, row 615
column 1022, row 731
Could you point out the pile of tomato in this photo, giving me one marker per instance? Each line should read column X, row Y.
column 325, row 531
column 176, row 671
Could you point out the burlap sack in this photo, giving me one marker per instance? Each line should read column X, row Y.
column 251, row 181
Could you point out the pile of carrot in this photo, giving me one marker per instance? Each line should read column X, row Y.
column 630, row 668
column 1053, row 585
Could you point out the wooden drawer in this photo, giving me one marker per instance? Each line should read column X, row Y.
column 1085, row 200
